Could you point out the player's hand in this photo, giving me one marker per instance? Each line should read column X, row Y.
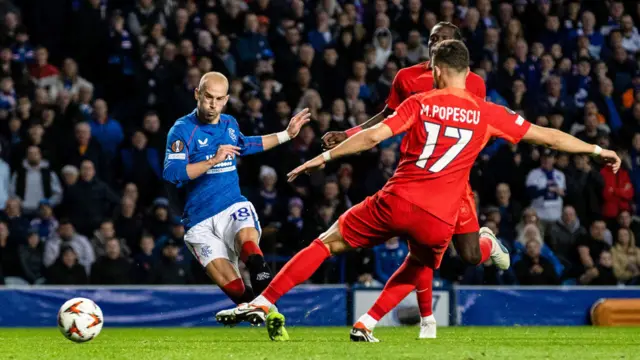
column 332, row 139
column 297, row 122
column 223, row 152
column 312, row 165
column 611, row 159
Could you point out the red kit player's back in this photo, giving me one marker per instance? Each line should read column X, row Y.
column 418, row 78
column 446, row 130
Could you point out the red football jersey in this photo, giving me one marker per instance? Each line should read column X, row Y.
column 419, row 78
column 445, row 131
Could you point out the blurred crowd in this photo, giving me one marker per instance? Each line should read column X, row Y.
column 89, row 89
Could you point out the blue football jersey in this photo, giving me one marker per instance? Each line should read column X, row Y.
column 190, row 141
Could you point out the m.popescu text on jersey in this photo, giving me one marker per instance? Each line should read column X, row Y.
column 450, row 113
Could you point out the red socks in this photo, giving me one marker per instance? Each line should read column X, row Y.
column 234, row 290
column 297, row 270
column 424, row 289
column 249, row 248
column 485, row 249
column 401, row 283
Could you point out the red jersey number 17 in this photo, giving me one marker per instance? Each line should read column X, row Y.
column 433, row 134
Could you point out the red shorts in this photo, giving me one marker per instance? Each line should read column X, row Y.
column 467, row 217
column 383, row 216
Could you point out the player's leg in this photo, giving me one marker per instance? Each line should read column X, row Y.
column 476, row 245
column 213, row 255
column 297, row 270
column 364, row 225
column 404, row 280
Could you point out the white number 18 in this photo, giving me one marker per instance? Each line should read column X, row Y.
column 433, row 132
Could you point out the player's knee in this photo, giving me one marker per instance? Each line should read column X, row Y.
column 247, row 234
column 221, row 271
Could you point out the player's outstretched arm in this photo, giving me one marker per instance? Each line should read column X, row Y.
column 296, row 123
column 564, row 142
column 362, row 141
column 176, row 171
column 333, row 138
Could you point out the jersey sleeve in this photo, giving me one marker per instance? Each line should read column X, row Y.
column 396, row 93
column 506, row 123
column 404, row 116
column 176, row 156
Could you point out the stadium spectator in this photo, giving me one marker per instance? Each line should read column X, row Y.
column 70, row 176
column 106, row 130
column 627, row 221
column 534, row 269
column 602, row 274
column 168, row 270
column 31, row 259
column 16, row 221
column 101, row 237
column 85, row 147
column 626, row 257
column 590, row 247
column 112, row 268
column 34, row 181
column 388, row 258
column 66, row 270
column 68, row 79
column 89, row 200
column 617, row 193
column 66, row 236
column 547, row 187
column 139, row 164
column 510, row 211
column 563, row 236
column 41, row 70
column 45, row 223
column 143, row 261
column 128, row 223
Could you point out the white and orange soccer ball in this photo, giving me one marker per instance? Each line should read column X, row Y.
column 80, row 319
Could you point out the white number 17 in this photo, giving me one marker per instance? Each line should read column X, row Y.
column 433, row 132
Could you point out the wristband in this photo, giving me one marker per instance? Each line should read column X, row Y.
column 283, row 137
column 597, row 151
column 353, row 131
column 326, row 156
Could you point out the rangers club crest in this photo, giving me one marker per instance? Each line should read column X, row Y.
column 232, row 135
column 177, row 146
column 206, row 251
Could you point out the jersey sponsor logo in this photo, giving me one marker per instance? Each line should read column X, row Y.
column 232, row 135
column 204, row 142
column 177, row 146
column 177, row 156
column 221, row 170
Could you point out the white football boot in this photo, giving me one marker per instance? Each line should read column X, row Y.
column 499, row 253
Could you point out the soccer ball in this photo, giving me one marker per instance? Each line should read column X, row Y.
column 80, row 320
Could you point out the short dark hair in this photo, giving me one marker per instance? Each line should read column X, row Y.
column 457, row 34
column 451, row 53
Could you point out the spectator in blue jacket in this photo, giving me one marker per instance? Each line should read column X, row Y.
column 22, row 50
column 388, row 258
column 139, row 164
column 321, row 36
column 105, row 129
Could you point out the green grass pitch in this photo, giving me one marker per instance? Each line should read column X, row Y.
column 327, row 343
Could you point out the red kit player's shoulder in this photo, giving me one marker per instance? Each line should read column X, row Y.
column 476, row 85
column 412, row 71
